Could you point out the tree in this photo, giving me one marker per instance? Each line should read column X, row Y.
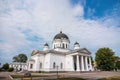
column 117, row 65
column 5, row 66
column 20, row 58
column 105, row 59
column 11, row 69
column 117, row 62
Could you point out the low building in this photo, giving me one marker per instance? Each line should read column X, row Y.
column 18, row 66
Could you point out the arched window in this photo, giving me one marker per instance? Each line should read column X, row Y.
column 54, row 65
column 40, row 65
column 63, row 45
column 61, row 65
column 31, row 66
column 54, row 46
column 66, row 45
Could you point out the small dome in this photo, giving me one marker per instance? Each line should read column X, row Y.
column 61, row 35
column 46, row 44
column 76, row 43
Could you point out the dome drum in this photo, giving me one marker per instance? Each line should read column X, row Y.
column 61, row 40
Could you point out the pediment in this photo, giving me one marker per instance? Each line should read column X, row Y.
column 84, row 50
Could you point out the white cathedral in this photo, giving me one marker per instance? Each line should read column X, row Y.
column 60, row 57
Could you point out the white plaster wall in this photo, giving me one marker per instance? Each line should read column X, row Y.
column 47, row 62
column 33, row 69
column 35, row 63
column 41, row 60
column 69, row 63
column 59, row 42
column 58, row 59
column 45, row 48
column 61, row 50
column 77, row 46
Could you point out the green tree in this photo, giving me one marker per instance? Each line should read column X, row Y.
column 105, row 59
column 5, row 66
column 20, row 58
column 118, row 65
column 11, row 69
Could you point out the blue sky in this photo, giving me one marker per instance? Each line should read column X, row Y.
column 28, row 24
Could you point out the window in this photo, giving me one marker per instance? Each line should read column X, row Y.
column 40, row 65
column 54, row 46
column 54, row 65
column 31, row 66
column 20, row 65
column 66, row 45
column 61, row 65
column 63, row 45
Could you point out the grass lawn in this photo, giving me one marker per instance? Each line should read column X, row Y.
column 41, row 76
column 111, row 78
column 22, row 76
column 69, row 79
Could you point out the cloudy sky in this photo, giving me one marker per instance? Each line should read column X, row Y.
column 28, row 24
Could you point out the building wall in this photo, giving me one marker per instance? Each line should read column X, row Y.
column 46, row 62
column 63, row 61
column 38, row 60
column 60, row 42
column 58, row 59
column 69, row 63
column 18, row 66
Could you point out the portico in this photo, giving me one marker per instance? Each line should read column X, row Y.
column 82, row 63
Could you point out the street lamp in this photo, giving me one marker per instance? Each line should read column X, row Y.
column 57, row 70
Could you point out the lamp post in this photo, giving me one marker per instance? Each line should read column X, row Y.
column 57, row 70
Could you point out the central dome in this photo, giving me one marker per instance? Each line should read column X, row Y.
column 61, row 36
column 61, row 41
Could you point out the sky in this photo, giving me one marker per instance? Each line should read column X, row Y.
column 26, row 25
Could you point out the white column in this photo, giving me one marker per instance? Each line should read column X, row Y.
column 86, row 63
column 82, row 63
column 78, row 63
column 90, row 65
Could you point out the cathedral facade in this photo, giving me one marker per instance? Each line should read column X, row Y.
column 60, row 57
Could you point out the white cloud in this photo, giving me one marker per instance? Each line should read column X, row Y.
column 45, row 18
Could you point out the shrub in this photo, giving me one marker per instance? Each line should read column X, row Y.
column 0, row 69
column 11, row 69
column 5, row 66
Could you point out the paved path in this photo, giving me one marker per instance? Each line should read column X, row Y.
column 94, row 75
column 86, row 75
column 5, row 75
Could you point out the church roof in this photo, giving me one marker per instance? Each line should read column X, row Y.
column 46, row 44
column 61, row 35
column 49, row 51
column 31, row 60
column 82, row 50
column 76, row 43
